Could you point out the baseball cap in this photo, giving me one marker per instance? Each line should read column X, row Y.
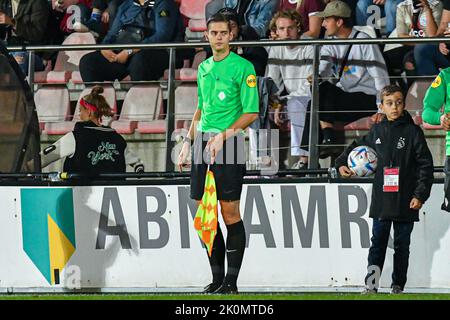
column 336, row 9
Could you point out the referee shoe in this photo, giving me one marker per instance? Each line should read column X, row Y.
column 226, row 288
column 210, row 288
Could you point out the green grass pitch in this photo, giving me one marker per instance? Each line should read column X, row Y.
column 242, row 296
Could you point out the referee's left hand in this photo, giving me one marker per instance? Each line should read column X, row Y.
column 215, row 144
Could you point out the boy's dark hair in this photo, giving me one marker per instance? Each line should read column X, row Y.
column 218, row 17
column 390, row 89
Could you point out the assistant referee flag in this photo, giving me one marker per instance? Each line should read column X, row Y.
column 205, row 221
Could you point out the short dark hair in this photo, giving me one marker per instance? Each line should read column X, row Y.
column 231, row 14
column 390, row 89
column 218, row 17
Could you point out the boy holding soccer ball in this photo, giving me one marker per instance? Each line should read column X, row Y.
column 402, row 184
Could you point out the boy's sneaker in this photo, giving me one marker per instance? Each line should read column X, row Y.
column 210, row 288
column 226, row 288
column 367, row 291
column 300, row 165
column 396, row 289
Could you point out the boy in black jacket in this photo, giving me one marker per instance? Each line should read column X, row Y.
column 402, row 184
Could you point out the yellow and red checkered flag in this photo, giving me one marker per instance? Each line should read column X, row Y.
column 205, row 221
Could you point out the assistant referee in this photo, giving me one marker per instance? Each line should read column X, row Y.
column 227, row 104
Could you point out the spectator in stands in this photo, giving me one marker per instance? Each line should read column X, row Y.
column 352, row 4
column 289, row 67
column 352, row 75
column 137, row 21
column 103, row 11
column 434, row 101
column 72, row 15
column 287, row 4
column 310, row 23
column 256, row 55
column 404, row 160
column 254, row 13
column 92, row 148
column 364, row 13
column 434, row 57
column 414, row 20
column 24, row 23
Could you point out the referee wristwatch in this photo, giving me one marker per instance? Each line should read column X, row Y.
column 130, row 52
column 188, row 140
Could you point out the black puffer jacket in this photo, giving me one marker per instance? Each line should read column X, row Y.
column 402, row 144
column 31, row 22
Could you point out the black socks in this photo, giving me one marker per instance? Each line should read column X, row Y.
column 235, row 251
column 217, row 259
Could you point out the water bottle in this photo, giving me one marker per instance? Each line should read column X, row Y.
column 54, row 177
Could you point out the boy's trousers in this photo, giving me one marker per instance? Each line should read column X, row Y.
column 377, row 252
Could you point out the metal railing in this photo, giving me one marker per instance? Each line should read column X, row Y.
column 172, row 47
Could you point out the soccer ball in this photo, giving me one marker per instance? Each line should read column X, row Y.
column 362, row 161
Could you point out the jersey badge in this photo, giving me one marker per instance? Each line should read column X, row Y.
column 437, row 82
column 251, row 81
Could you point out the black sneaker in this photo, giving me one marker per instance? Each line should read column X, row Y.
column 95, row 25
column 210, row 288
column 396, row 289
column 329, row 149
column 226, row 288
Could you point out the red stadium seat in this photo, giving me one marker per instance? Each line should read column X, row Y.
column 360, row 124
column 197, row 25
column 52, row 105
column 414, row 102
column 67, row 61
column 67, row 126
column 76, row 77
column 140, row 104
column 155, row 126
column 194, row 10
column 415, row 95
column 188, row 73
column 186, row 100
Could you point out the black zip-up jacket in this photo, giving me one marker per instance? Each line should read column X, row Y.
column 402, row 144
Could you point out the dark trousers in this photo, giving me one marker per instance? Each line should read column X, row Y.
column 332, row 99
column 377, row 251
column 144, row 65
column 111, row 5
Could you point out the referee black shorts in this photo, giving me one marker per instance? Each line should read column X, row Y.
column 228, row 168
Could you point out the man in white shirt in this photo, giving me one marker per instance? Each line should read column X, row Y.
column 289, row 67
column 349, row 89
